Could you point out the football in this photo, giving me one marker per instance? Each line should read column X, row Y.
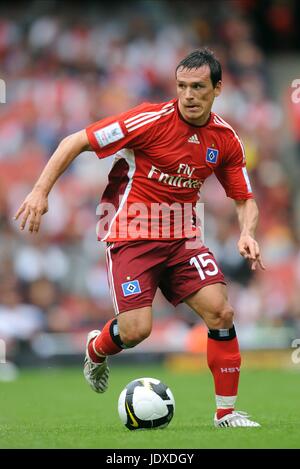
column 146, row 403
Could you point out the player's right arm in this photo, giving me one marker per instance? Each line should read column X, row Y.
column 106, row 137
column 36, row 203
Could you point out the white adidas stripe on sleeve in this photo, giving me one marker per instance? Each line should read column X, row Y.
column 144, row 118
column 218, row 120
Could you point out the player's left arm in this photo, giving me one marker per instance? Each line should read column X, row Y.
column 247, row 212
column 233, row 175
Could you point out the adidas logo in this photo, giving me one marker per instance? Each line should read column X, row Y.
column 193, row 139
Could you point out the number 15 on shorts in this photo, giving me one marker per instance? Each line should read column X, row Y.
column 206, row 267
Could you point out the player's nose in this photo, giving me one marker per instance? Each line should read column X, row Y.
column 189, row 94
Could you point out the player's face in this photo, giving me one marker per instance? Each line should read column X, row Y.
column 196, row 93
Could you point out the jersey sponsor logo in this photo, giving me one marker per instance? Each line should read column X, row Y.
column 212, row 155
column 194, row 139
column 174, row 180
column 109, row 134
column 131, row 288
column 184, row 168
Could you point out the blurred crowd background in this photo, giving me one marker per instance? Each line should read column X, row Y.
column 67, row 65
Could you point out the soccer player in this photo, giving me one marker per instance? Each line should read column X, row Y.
column 163, row 154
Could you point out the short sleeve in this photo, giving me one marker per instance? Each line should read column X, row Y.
column 232, row 172
column 130, row 129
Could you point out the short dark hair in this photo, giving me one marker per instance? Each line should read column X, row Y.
column 203, row 57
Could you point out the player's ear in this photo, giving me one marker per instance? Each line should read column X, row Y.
column 218, row 88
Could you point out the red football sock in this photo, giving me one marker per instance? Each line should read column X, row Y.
column 224, row 361
column 105, row 343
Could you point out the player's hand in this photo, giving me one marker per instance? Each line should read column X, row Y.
column 34, row 206
column 249, row 249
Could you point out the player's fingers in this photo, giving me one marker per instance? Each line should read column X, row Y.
column 243, row 249
column 32, row 221
column 256, row 249
column 24, row 219
column 258, row 256
column 19, row 211
column 37, row 222
column 253, row 265
column 252, row 251
column 262, row 265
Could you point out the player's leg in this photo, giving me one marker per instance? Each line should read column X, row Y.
column 223, row 354
column 135, row 326
column 125, row 331
column 133, row 272
column 195, row 278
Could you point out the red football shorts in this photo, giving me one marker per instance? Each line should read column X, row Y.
column 136, row 268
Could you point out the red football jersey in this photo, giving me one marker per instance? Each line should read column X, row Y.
column 161, row 162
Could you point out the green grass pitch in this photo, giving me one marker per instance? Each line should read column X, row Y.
column 55, row 408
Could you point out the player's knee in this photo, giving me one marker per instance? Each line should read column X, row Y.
column 135, row 335
column 224, row 317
